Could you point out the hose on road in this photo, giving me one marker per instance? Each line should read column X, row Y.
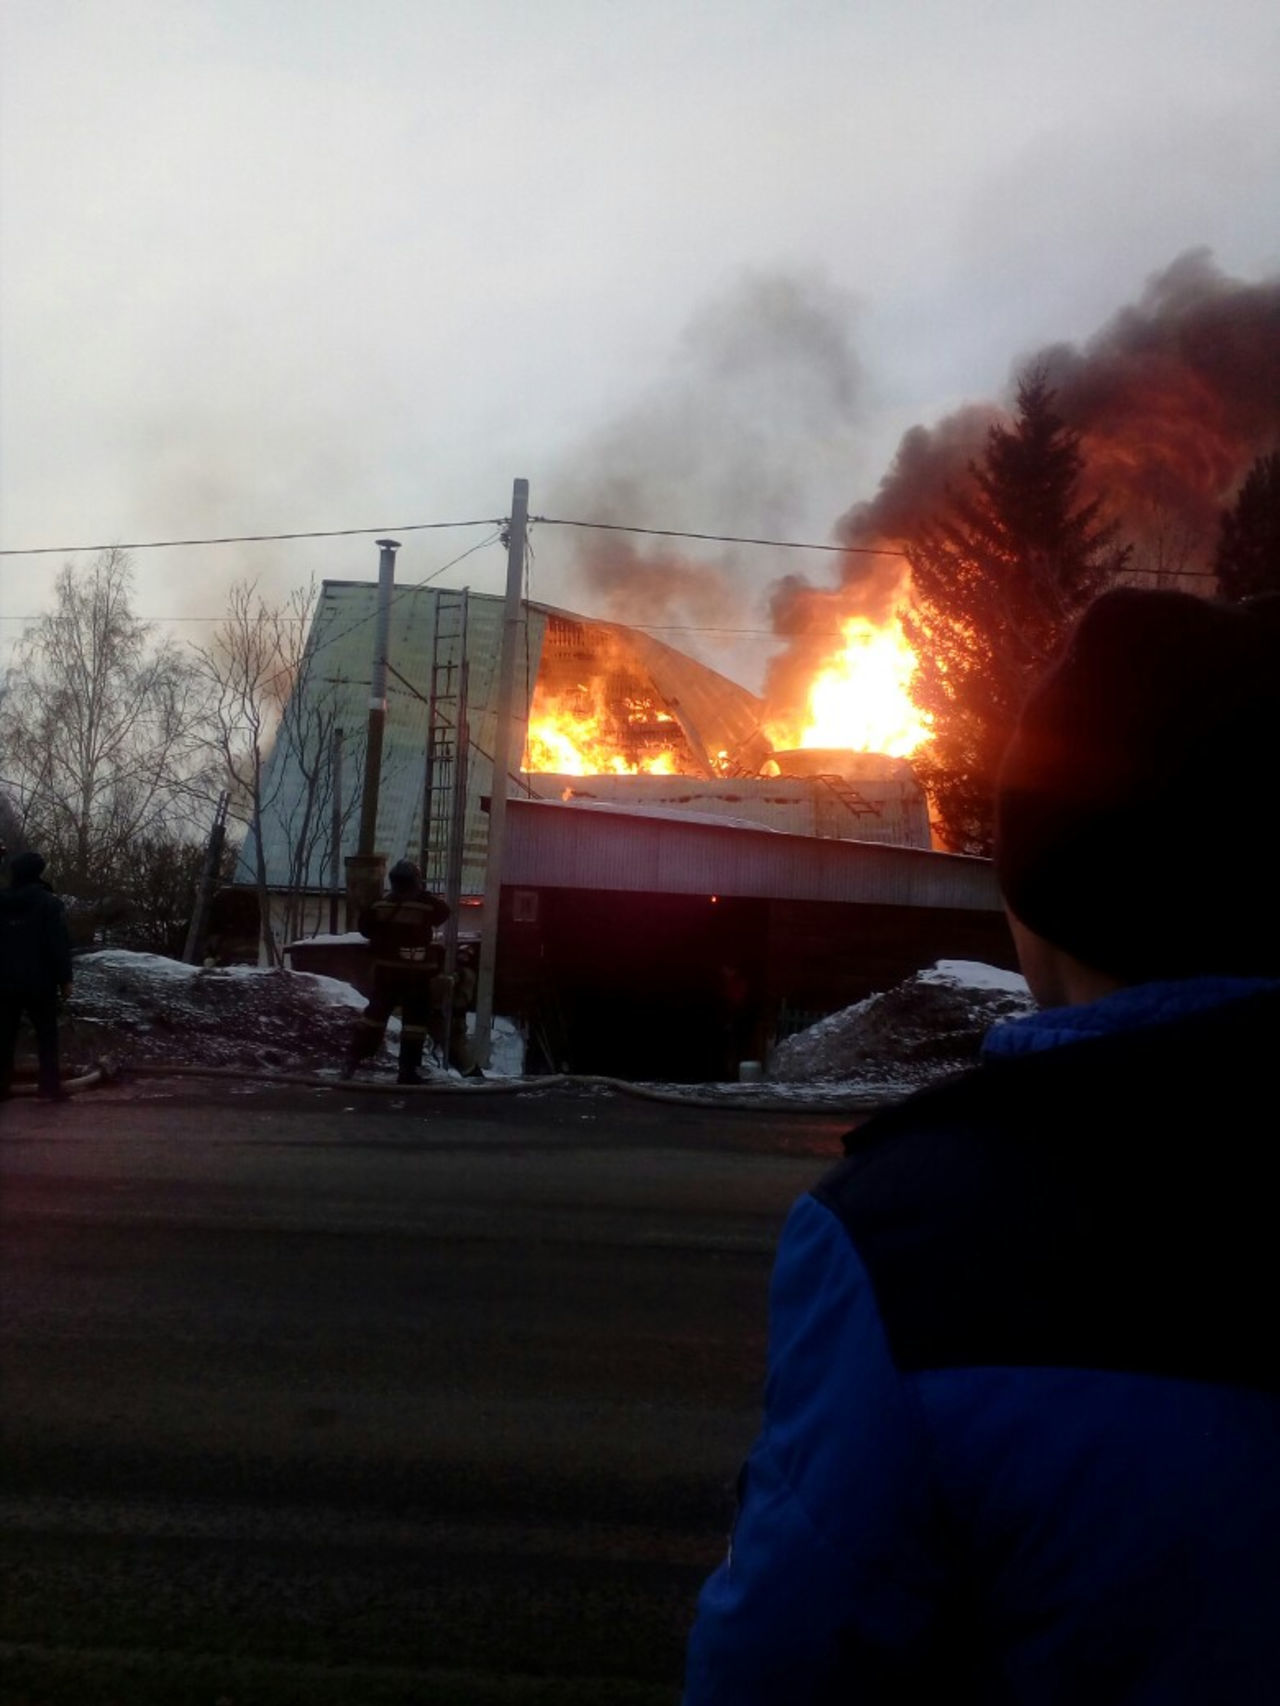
column 519, row 1086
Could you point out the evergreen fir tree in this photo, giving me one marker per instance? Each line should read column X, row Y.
column 996, row 583
column 1248, row 557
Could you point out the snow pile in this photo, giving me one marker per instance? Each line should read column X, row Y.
column 920, row 1030
column 972, row 974
column 506, row 1047
column 143, row 1008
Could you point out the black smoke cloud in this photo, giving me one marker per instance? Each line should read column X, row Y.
column 1173, row 400
column 1176, row 397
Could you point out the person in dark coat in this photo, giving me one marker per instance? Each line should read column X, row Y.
column 35, row 967
column 1022, row 1414
column 461, row 999
column 406, row 961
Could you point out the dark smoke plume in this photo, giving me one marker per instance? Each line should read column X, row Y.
column 647, row 586
column 1176, row 397
column 928, row 461
column 1174, row 400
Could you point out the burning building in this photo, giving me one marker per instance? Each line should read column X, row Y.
column 607, row 713
column 629, row 744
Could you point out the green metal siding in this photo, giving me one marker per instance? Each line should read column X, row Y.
column 340, row 652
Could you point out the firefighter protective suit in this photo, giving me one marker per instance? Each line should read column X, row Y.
column 406, row 960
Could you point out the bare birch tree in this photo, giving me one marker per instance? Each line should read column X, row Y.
column 272, row 716
column 99, row 728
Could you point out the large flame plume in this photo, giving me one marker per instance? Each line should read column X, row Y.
column 860, row 700
column 587, row 732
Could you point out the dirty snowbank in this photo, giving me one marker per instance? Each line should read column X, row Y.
column 142, row 1009
column 145, row 1010
column 930, row 1025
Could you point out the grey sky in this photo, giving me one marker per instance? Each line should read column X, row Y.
column 312, row 264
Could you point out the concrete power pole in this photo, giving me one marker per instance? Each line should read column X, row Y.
column 512, row 626
column 365, row 866
column 335, row 829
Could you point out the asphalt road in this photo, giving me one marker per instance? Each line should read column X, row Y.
column 316, row 1397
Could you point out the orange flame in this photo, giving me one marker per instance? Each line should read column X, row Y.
column 573, row 734
column 861, row 700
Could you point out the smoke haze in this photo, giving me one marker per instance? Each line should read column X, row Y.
column 757, row 409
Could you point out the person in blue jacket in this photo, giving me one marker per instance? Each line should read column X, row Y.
column 1021, row 1440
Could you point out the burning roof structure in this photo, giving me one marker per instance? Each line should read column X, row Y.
column 609, row 714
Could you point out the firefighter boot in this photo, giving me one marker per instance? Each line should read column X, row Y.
column 412, row 1040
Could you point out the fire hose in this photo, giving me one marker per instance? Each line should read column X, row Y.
column 106, row 1071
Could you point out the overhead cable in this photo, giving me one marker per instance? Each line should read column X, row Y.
column 244, row 538
column 720, row 538
column 402, row 591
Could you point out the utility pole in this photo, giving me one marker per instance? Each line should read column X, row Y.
column 365, row 866
column 208, row 881
column 513, row 623
column 335, row 830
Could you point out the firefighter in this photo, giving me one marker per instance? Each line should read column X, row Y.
column 401, row 930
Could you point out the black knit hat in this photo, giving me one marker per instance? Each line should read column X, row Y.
column 25, row 868
column 404, row 874
column 1132, row 806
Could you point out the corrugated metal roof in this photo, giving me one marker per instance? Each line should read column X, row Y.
column 718, row 717
column 887, row 808
column 340, row 657
column 563, row 846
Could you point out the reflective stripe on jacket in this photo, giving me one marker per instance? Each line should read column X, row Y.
column 401, row 932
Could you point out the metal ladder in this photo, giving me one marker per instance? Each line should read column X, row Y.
column 855, row 803
column 444, row 782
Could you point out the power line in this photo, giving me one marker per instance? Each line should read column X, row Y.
column 154, row 618
column 244, row 538
column 646, row 627
column 400, row 593
column 413, row 586
column 431, row 526
column 721, row 538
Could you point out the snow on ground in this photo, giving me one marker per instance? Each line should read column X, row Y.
column 144, row 1009
column 506, row 1049
column 920, row 1030
column 345, row 938
column 974, row 975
